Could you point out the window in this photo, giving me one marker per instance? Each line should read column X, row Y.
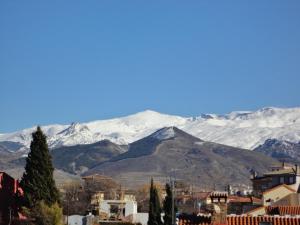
column 281, row 180
column 291, row 180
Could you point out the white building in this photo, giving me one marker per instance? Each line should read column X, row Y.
column 117, row 209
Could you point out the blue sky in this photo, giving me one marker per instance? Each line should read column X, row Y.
column 65, row 61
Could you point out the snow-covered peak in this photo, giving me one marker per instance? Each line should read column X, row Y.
column 243, row 129
column 164, row 133
column 208, row 116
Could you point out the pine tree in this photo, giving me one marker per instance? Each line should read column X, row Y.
column 154, row 207
column 151, row 218
column 167, row 206
column 37, row 181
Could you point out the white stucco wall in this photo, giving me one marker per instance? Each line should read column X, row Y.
column 140, row 218
column 74, row 220
column 130, row 206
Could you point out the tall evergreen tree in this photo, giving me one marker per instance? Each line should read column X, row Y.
column 158, row 209
column 167, row 206
column 154, row 206
column 151, row 217
column 37, row 181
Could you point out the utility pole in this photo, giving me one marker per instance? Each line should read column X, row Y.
column 173, row 196
column 173, row 222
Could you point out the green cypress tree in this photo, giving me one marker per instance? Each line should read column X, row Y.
column 37, row 181
column 151, row 214
column 167, row 206
column 154, row 206
column 158, row 210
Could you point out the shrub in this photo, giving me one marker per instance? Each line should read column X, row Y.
column 42, row 214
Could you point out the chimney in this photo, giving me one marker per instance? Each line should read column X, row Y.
column 219, row 207
column 296, row 169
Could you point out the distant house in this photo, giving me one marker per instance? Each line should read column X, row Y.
column 192, row 202
column 241, row 204
column 280, row 197
column 118, row 209
column 289, row 200
column 275, row 210
column 284, row 174
column 10, row 197
column 271, row 196
column 265, row 215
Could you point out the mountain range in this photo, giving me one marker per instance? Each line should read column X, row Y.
column 167, row 152
column 245, row 129
column 171, row 152
column 209, row 150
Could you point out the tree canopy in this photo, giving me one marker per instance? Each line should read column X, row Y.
column 154, row 207
column 167, row 206
column 37, row 181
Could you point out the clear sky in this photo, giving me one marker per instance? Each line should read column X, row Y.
column 65, row 61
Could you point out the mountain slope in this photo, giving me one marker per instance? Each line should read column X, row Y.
column 171, row 150
column 79, row 158
column 239, row 129
column 282, row 150
column 10, row 146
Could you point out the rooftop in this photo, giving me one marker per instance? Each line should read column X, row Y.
column 280, row 172
column 283, row 210
column 279, row 186
column 240, row 199
column 239, row 220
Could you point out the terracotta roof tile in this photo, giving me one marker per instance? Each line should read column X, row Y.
column 240, row 220
column 233, row 198
column 283, row 210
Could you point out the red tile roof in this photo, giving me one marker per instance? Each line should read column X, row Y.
column 283, row 210
column 234, row 198
column 243, row 220
column 255, row 220
column 198, row 195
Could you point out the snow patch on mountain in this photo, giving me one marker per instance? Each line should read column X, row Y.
column 244, row 129
column 164, row 133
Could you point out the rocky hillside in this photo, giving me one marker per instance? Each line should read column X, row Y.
column 172, row 152
column 281, row 150
column 79, row 158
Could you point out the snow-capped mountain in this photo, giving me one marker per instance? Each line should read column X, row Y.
column 170, row 149
column 239, row 129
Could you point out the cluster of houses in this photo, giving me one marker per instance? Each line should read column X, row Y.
column 275, row 200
